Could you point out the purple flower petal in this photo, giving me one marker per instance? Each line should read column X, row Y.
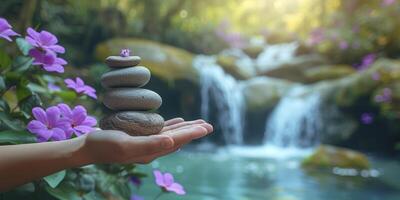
column 89, row 121
column 53, row 114
column 35, row 126
column 5, row 30
column 159, row 178
column 65, row 110
column 58, row 134
column 78, row 114
column 80, row 130
column 79, row 86
column 40, row 115
column 168, row 179
column 177, row 188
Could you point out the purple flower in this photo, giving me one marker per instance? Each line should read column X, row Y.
column 388, row 2
column 5, row 30
column 48, row 124
column 367, row 61
column 367, row 118
column 135, row 181
column 386, row 96
column 343, row 45
column 48, row 60
column 79, row 86
column 44, row 41
column 79, row 122
column 53, row 87
column 136, row 197
column 125, row 52
column 166, row 182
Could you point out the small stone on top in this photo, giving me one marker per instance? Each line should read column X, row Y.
column 125, row 52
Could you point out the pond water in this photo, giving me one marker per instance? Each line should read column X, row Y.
column 259, row 173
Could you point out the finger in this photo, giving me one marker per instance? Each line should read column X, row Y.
column 146, row 145
column 207, row 126
column 185, row 135
column 173, row 121
column 182, row 124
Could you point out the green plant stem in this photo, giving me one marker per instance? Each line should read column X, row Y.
column 159, row 195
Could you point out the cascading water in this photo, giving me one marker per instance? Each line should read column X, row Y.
column 297, row 119
column 228, row 98
column 274, row 55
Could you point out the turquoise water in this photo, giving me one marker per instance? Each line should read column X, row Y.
column 274, row 174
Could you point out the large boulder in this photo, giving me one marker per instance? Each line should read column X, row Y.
column 263, row 93
column 233, row 66
column 165, row 62
column 327, row 157
column 294, row 69
column 327, row 72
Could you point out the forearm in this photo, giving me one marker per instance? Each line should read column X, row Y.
column 20, row 164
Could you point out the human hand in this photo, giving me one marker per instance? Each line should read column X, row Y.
column 111, row 146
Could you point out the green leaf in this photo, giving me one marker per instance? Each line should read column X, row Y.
column 23, row 92
column 9, row 122
column 5, row 60
column 4, row 106
column 16, row 137
column 37, row 88
column 55, row 179
column 64, row 191
column 28, row 103
column 93, row 195
column 67, row 96
column 23, row 46
column 2, row 84
column 22, row 63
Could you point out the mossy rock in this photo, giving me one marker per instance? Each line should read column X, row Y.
column 262, row 93
column 253, row 51
column 327, row 72
column 326, row 157
column 165, row 62
column 351, row 88
column 228, row 63
column 293, row 70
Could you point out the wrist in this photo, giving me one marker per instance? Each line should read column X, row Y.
column 78, row 154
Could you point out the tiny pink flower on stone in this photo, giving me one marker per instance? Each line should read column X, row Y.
column 48, row 60
column 167, row 183
column 79, row 86
column 79, row 122
column 44, row 41
column 5, row 30
column 125, row 53
column 48, row 125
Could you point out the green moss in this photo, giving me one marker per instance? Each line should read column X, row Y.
column 328, row 157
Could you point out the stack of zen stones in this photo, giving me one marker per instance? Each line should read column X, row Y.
column 132, row 105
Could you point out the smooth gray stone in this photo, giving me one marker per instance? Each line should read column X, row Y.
column 126, row 77
column 119, row 61
column 131, row 99
column 134, row 123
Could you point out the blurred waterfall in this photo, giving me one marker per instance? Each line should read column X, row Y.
column 275, row 55
column 225, row 92
column 297, row 119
